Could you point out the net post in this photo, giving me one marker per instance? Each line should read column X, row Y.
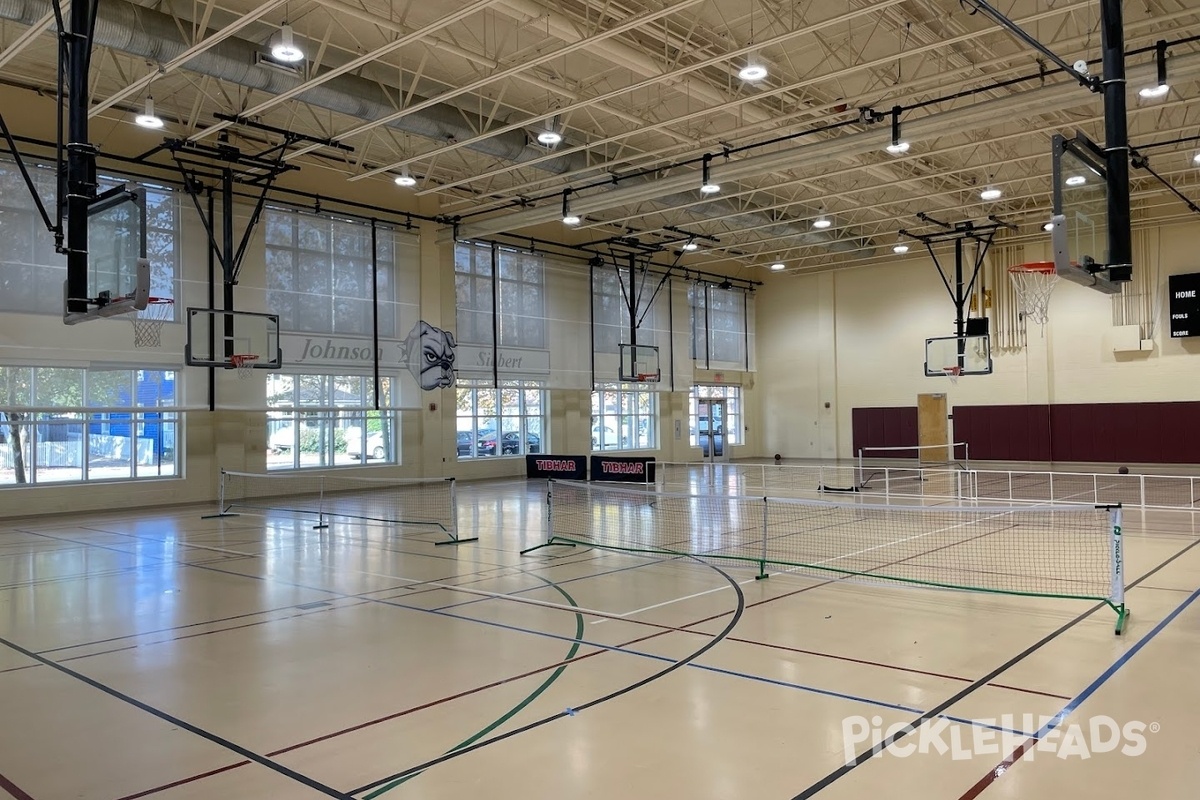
column 967, row 455
column 321, row 523
column 549, row 523
column 860, row 468
column 454, row 533
column 762, row 563
column 222, row 509
column 1142, row 490
column 1051, row 474
column 1116, row 595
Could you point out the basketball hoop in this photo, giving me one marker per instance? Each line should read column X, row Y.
column 148, row 323
column 953, row 373
column 1033, row 283
column 647, row 377
column 244, row 364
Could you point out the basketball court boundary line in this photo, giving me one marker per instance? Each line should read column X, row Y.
column 171, row 719
column 866, row 755
column 1000, row 769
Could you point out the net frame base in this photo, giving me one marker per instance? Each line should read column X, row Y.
column 753, row 544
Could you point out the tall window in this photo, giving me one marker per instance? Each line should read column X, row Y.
column 719, row 326
column 327, row 421
column 509, row 421
column 624, row 417
column 124, row 438
column 32, row 273
column 705, row 421
column 521, row 290
column 319, row 273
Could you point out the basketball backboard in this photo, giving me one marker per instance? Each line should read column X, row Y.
column 214, row 336
column 971, row 355
column 116, row 240
column 118, row 274
column 639, row 362
column 1080, row 231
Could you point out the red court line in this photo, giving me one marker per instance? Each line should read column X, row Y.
column 1001, row 768
column 14, row 790
column 896, row 667
column 187, row 780
column 370, row 723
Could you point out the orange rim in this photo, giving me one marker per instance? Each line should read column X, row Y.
column 1034, row 266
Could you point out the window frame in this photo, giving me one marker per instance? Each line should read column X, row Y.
column 523, row 416
column 327, row 415
column 93, row 427
column 635, row 406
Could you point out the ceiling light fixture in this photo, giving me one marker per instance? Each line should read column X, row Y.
column 1049, row 226
column 569, row 217
column 778, row 266
column 1196, row 158
column 285, row 48
column 405, row 180
column 754, row 70
column 991, row 193
column 148, row 119
column 551, row 136
column 822, row 222
column 897, row 146
column 900, row 249
column 691, row 246
column 1076, row 180
column 707, row 186
column 1161, row 87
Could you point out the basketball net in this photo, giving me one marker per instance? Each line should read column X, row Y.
column 953, row 373
column 148, row 323
column 244, row 364
column 1033, row 284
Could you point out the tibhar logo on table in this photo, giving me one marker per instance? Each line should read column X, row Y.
column 996, row 737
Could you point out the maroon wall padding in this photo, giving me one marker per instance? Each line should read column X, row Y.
column 1004, row 433
column 1136, row 433
column 884, row 427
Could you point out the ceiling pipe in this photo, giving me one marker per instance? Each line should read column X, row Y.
column 1032, row 102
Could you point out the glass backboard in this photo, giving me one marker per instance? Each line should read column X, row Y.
column 215, row 336
column 971, row 355
column 1079, row 231
column 116, row 241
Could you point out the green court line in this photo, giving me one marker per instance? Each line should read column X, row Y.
column 519, row 707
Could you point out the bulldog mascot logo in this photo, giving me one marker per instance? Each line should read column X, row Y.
column 429, row 352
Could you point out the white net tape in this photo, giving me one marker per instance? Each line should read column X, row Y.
column 1034, row 288
column 148, row 324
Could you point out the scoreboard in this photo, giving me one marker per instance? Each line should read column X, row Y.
column 1184, row 301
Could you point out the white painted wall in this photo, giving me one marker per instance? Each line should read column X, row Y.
column 855, row 338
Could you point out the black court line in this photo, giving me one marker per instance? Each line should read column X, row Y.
column 867, row 755
column 221, row 741
column 734, row 620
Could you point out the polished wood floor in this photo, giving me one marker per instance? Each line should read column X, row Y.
column 158, row 654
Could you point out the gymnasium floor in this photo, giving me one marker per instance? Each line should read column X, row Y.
column 156, row 654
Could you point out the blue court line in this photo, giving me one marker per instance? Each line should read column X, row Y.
column 545, row 634
column 1079, row 699
column 733, row 673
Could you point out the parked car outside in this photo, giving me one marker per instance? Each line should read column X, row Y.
column 375, row 445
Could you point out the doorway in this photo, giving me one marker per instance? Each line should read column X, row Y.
column 710, row 429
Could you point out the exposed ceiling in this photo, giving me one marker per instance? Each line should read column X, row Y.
column 456, row 93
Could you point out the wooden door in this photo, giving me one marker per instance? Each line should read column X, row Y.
column 932, row 428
